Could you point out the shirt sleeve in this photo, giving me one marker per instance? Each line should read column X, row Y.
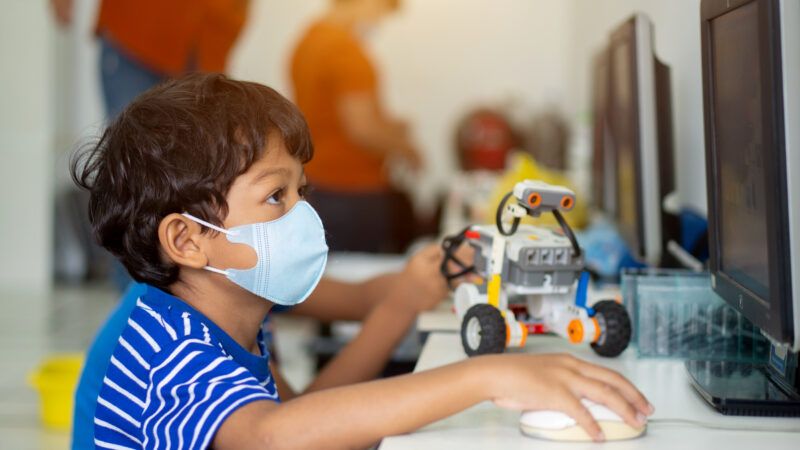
column 193, row 389
column 352, row 71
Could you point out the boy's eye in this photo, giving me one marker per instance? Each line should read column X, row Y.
column 275, row 198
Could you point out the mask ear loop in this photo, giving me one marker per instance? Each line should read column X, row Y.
column 215, row 228
column 209, row 225
column 215, row 270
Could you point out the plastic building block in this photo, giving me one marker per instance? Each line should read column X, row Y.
column 533, row 279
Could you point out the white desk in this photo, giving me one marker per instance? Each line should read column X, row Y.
column 441, row 318
column 664, row 382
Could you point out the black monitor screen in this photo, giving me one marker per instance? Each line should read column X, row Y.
column 625, row 119
column 739, row 141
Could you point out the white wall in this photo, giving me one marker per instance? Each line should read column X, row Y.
column 439, row 57
column 26, row 133
column 79, row 110
column 436, row 59
column 677, row 43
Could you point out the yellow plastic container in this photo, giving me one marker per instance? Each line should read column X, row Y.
column 55, row 380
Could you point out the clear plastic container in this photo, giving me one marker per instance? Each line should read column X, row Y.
column 676, row 314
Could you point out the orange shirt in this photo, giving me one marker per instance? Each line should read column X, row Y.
column 167, row 34
column 327, row 64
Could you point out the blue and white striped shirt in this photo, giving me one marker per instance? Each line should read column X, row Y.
column 174, row 378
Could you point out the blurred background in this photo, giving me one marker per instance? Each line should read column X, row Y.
column 437, row 60
column 473, row 81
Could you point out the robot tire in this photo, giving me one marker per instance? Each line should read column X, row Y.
column 616, row 328
column 483, row 330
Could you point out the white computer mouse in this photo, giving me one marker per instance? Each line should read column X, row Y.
column 558, row 426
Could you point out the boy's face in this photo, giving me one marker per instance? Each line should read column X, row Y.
column 267, row 191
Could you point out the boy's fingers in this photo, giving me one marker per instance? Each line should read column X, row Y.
column 605, row 394
column 577, row 411
column 431, row 251
column 620, row 383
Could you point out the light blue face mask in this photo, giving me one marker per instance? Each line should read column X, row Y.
column 291, row 251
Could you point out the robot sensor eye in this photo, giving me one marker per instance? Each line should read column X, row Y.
column 534, row 199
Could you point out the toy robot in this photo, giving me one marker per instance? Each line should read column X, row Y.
column 533, row 280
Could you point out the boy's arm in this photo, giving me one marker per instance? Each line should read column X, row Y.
column 367, row 354
column 284, row 390
column 388, row 322
column 339, row 300
column 359, row 415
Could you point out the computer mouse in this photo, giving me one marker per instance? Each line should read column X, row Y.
column 558, row 426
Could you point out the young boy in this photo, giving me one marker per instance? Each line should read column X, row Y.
column 198, row 188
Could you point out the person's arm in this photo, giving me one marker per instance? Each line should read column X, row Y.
column 62, row 10
column 284, row 390
column 359, row 415
column 339, row 300
column 364, row 357
column 367, row 354
column 366, row 124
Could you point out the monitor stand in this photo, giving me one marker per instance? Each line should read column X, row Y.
column 747, row 389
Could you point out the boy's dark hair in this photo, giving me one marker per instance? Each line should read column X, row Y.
column 178, row 148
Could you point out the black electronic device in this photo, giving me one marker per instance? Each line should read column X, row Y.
column 639, row 120
column 751, row 86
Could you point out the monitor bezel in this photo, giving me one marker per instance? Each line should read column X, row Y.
column 774, row 315
column 603, row 163
column 647, row 244
column 790, row 60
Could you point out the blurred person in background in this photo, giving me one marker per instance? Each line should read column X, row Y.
column 336, row 86
column 144, row 42
column 494, row 154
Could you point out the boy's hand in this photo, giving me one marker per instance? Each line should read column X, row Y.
column 559, row 382
column 422, row 283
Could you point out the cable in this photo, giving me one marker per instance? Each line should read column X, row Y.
column 450, row 245
column 577, row 252
column 499, row 217
column 713, row 426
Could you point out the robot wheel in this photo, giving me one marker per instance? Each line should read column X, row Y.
column 483, row 330
column 615, row 325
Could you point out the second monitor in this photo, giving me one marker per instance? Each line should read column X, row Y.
column 639, row 121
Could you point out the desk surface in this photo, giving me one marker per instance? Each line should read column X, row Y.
column 664, row 382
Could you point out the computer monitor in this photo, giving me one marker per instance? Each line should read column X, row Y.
column 751, row 86
column 604, row 182
column 640, row 119
column 753, row 149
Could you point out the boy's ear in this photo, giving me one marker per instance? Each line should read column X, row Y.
column 181, row 241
